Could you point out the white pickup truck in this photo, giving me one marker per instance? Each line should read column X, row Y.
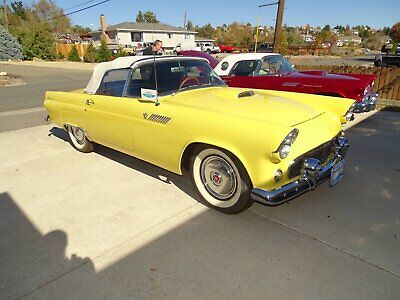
column 207, row 47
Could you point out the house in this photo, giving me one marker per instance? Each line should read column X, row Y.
column 132, row 34
column 345, row 40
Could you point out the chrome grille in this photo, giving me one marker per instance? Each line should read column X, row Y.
column 321, row 153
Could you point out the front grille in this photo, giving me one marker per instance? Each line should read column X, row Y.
column 321, row 153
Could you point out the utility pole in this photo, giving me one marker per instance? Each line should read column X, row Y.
column 5, row 14
column 184, row 20
column 278, row 25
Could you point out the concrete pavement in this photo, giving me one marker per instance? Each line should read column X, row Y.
column 107, row 226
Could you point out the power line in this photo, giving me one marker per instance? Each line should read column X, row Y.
column 79, row 10
column 78, row 5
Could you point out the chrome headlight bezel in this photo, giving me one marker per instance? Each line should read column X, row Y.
column 286, row 145
column 349, row 114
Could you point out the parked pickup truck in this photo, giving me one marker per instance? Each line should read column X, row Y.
column 387, row 60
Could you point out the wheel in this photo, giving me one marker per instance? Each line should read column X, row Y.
column 79, row 140
column 220, row 180
column 209, row 51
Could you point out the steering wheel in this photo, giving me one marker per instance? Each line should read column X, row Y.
column 186, row 80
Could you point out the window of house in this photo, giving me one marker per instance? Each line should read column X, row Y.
column 113, row 83
column 170, row 35
column 187, row 36
column 136, row 37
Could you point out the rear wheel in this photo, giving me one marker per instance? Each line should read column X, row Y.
column 220, row 180
column 79, row 139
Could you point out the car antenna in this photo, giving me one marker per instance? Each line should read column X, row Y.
column 155, row 72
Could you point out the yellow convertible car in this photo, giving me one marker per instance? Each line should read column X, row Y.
column 238, row 145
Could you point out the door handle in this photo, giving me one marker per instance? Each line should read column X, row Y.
column 89, row 102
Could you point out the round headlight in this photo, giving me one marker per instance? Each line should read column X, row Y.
column 286, row 145
column 284, row 151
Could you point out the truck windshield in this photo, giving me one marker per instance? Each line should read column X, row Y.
column 172, row 76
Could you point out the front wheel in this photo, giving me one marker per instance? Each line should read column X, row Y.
column 79, row 139
column 221, row 180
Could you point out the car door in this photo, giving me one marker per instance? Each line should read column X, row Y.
column 273, row 74
column 107, row 115
column 243, row 74
column 150, row 122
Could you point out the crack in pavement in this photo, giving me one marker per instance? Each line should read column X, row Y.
column 344, row 251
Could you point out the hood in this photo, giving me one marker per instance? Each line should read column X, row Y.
column 263, row 107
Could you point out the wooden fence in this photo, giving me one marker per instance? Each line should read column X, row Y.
column 64, row 49
column 387, row 83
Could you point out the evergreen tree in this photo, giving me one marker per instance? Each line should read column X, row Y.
column 73, row 55
column 104, row 53
column 90, row 54
column 139, row 17
column 9, row 46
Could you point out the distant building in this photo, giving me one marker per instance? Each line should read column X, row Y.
column 354, row 39
column 131, row 34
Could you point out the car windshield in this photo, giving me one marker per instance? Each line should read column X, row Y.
column 173, row 76
column 275, row 64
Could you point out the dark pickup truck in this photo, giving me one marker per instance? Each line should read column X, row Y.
column 387, row 61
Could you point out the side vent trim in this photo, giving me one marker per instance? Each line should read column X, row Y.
column 159, row 119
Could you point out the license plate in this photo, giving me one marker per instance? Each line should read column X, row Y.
column 336, row 173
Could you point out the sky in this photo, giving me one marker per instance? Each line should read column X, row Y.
column 297, row 12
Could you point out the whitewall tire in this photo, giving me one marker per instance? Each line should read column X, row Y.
column 220, row 180
column 79, row 139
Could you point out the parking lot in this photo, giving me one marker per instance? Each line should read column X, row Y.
column 107, row 226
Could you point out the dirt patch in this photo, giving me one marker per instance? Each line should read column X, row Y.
column 10, row 80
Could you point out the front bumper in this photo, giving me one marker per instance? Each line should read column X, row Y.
column 367, row 104
column 313, row 173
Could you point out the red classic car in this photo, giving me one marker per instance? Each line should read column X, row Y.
column 273, row 72
column 227, row 48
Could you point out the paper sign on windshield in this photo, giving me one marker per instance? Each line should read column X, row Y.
column 149, row 94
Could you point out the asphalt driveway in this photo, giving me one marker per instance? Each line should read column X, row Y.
column 107, row 226
column 38, row 81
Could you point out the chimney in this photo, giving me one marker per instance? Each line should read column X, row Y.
column 103, row 26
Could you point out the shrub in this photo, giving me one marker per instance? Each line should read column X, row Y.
column 37, row 41
column 9, row 46
column 73, row 55
column 90, row 54
column 104, row 53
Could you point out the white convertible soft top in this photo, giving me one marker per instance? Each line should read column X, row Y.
column 101, row 68
column 120, row 63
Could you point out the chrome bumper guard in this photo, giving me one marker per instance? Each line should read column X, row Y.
column 313, row 173
column 367, row 104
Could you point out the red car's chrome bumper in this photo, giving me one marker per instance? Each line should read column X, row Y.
column 367, row 104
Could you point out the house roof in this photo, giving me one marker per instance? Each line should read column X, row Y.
column 203, row 39
column 147, row 27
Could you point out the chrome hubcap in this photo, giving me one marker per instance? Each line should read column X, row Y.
column 218, row 177
column 79, row 135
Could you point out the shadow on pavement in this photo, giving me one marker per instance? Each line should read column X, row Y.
column 182, row 182
column 211, row 255
column 28, row 259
